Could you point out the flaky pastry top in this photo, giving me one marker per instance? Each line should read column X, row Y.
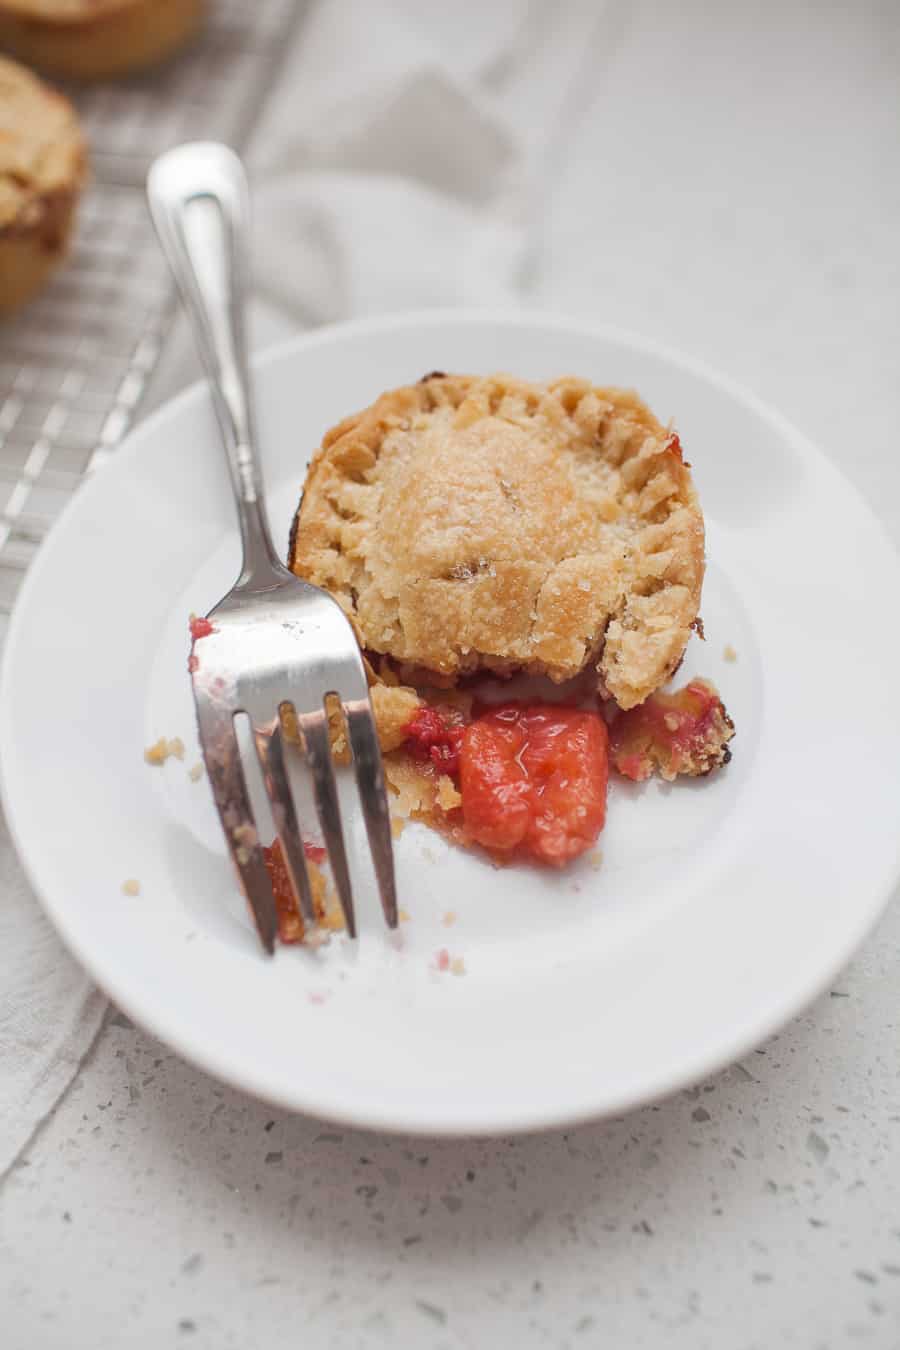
column 473, row 523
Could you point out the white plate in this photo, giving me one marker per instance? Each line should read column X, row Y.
column 720, row 907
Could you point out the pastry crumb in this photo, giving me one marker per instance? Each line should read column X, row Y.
column 131, row 887
column 157, row 753
column 195, row 772
column 457, row 966
column 333, row 919
column 595, row 858
column 404, row 915
column 164, row 749
column 729, row 653
column 398, row 825
column 448, row 797
column 449, row 918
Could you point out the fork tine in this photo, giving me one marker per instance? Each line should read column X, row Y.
column 370, row 781
column 314, row 727
column 270, row 748
column 222, row 757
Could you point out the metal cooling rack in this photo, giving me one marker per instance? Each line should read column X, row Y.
column 74, row 364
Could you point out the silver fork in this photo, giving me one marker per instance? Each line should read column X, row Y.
column 276, row 640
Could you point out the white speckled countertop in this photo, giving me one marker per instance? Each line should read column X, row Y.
column 759, row 1209
column 733, row 189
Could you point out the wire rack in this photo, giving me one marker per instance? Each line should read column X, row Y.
column 74, row 364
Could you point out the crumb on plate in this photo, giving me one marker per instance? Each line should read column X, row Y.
column 164, row 749
column 449, row 918
column 131, row 887
column 195, row 772
column 729, row 653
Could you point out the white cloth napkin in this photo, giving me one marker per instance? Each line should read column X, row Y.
column 49, row 1011
column 405, row 157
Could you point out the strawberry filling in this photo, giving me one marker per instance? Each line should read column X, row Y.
column 431, row 738
column 290, row 924
column 674, row 446
column 200, row 628
column 533, row 780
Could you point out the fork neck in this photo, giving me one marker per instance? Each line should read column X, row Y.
column 200, row 204
column 226, row 362
column 260, row 560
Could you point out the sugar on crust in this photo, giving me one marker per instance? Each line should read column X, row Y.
column 470, row 523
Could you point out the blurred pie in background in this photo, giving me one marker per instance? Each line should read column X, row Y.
column 43, row 165
column 92, row 39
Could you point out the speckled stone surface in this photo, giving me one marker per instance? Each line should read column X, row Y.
column 732, row 188
column 759, row 1209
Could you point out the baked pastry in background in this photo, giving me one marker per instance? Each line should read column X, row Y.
column 42, row 169
column 92, row 39
column 471, row 523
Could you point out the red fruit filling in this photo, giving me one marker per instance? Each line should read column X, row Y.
column 533, row 780
column 200, row 628
column 290, row 924
column 430, row 737
column 682, row 733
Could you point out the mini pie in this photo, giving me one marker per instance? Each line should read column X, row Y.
column 42, row 169
column 483, row 525
column 92, row 39
column 471, row 523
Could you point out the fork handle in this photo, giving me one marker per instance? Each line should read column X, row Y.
column 200, row 204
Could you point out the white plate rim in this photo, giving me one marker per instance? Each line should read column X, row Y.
column 691, row 1068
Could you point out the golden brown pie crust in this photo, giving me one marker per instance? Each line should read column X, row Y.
column 91, row 39
column 472, row 523
column 42, row 169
